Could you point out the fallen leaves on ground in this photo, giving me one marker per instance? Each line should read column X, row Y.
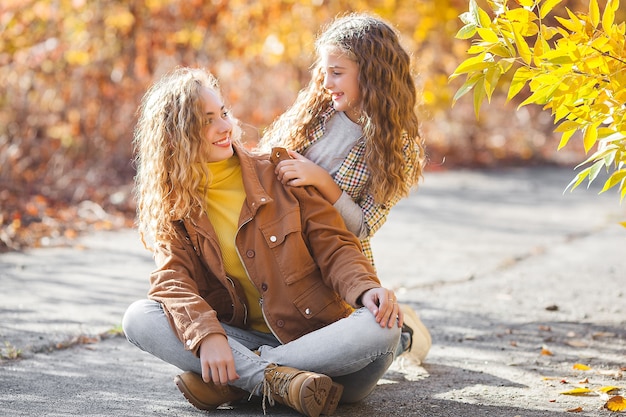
column 616, row 403
column 45, row 222
column 577, row 391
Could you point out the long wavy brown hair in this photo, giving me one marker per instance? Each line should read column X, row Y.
column 394, row 148
column 167, row 142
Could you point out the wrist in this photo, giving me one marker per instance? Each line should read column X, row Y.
column 329, row 189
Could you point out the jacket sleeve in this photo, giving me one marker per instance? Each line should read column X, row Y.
column 336, row 250
column 172, row 284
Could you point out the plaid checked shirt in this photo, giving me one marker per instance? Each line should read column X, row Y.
column 352, row 177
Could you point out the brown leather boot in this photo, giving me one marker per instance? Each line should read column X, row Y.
column 305, row 392
column 206, row 395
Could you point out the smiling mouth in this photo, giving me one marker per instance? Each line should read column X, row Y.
column 222, row 142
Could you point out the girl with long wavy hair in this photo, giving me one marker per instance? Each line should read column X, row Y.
column 259, row 289
column 355, row 123
column 353, row 132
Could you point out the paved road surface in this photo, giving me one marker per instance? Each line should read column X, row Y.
column 502, row 266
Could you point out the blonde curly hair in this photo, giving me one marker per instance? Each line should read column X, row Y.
column 388, row 118
column 168, row 158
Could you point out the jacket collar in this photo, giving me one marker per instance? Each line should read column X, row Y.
column 256, row 195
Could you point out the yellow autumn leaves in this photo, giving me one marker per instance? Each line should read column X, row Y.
column 576, row 69
column 613, row 403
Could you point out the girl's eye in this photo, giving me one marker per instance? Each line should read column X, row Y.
column 225, row 114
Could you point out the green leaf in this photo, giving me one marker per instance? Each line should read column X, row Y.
column 466, row 87
column 467, row 18
column 479, row 96
column 473, row 11
column 547, row 7
column 466, row 31
column 594, row 171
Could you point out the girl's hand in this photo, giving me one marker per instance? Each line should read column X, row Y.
column 216, row 358
column 300, row 171
column 384, row 306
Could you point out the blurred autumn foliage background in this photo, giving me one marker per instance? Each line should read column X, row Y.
column 72, row 73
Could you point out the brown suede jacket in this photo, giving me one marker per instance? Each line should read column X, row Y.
column 296, row 250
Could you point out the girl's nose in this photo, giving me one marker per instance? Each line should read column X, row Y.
column 327, row 82
column 226, row 124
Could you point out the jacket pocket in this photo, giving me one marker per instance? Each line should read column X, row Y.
column 321, row 305
column 286, row 242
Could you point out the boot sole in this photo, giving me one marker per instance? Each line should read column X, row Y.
column 334, row 395
column 193, row 400
column 314, row 394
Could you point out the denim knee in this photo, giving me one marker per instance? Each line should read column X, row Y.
column 385, row 338
column 133, row 323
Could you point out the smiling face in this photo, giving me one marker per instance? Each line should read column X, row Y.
column 341, row 80
column 218, row 127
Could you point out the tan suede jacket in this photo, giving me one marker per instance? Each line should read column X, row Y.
column 296, row 250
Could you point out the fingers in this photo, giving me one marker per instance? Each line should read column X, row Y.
column 206, row 373
column 289, row 172
column 216, row 360
column 282, row 171
column 389, row 313
column 295, row 155
column 221, row 373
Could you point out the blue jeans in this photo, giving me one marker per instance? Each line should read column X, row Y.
column 354, row 351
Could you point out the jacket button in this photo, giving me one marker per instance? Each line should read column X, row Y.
column 188, row 342
column 264, row 286
column 263, row 199
column 273, row 239
column 250, row 253
column 280, row 323
column 307, row 311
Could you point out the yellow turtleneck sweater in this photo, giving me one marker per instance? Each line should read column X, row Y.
column 224, row 197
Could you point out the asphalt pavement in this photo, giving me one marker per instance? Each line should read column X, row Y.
column 518, row 282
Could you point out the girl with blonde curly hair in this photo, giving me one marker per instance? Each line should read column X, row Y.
column 353, row 132
column 171, row 153
column 259, row 289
